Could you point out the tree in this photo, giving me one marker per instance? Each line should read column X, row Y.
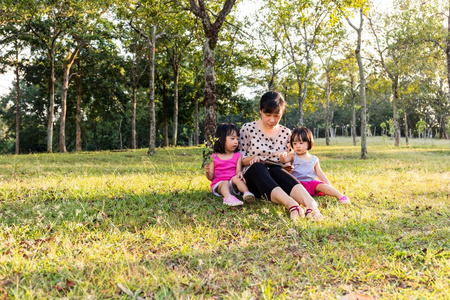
column 433, row 15
column 301, row 24
column 177, row 41
column 211, row 31
column 146, row 17
column 47, row 21
column 349, row 75
column 362, row 79
column 86, row 25
column 329, row 41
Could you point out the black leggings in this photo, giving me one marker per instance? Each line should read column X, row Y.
column 261, row 180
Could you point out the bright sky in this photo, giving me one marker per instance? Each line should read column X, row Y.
column 6, row 79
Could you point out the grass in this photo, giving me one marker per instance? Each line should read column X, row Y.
column 77, row 225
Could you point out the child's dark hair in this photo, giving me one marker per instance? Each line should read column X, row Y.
column 272, row 102
column 302, row 134
column 222, row 131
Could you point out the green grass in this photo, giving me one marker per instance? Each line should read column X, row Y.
column 76, row 225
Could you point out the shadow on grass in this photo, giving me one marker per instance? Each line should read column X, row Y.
column 185, row 243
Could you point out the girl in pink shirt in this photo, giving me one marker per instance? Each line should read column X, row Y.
column 225, row 170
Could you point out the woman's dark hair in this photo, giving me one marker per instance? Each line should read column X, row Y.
column 222, row 131
column 272, row 102
column 302, row 134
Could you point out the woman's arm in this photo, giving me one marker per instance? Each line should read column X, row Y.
column 320, row 173
column 244, row 141
column 249, row 160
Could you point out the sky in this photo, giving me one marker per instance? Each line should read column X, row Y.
column 6, row 80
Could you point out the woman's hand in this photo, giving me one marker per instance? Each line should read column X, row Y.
column 255, row 159
column 281, row 154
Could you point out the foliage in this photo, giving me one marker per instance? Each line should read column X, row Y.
column 77, row 225
column 252, row 52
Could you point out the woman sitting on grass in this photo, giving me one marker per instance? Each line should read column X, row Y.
column 262, row 140
column 224, row 171
column 307, row 167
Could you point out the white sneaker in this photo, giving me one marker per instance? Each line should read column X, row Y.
column 248, row 197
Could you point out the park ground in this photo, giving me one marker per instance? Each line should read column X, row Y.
column 99, row 225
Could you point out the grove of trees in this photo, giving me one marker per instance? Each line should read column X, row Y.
column 111, row 74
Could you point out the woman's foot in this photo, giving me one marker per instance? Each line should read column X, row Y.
column 344, row 200
column 315, row 215
column 296, row 212
column 248, row 197
column 232, row 201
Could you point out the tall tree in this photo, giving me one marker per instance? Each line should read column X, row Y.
column 146, row 17
column 179, row 36
column 362, row 79
column 329, row 42
column 137, row 54
column 434, row 27
column 47, row 21
column 86, row 25
column 301, row 23
column 391, row 50
column 211, row 31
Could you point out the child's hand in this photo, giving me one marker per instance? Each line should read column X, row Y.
column 281, row 154
column 207, row 170
column 241, row 176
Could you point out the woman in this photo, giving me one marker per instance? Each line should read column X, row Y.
column 267, row 139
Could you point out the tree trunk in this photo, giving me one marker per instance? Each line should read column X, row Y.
column 166, row 131
column 164, row 115
column 64, row 90
column 175, row 106
column 327, row 112
column 305, row 89
column 447, row 53
column 17, row 149
column 152, row 139
column 405, row 121
column 395, row 111
column 78, row 116
column 133, row 114
column 211, row 35
column 51, row 105
column 353, row 116
column 209, row 96
column 362, row 89
column 196, row 138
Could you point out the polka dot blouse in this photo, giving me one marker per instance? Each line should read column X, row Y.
column 252, row 141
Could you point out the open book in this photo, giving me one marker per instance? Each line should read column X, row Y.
column 269, row 162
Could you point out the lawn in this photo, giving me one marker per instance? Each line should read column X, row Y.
column 94, row 225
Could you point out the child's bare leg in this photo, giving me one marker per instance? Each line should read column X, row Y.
column 239, row 184
column 331, row 191
column 228, row 199
column 224, row 189
column 328, row 190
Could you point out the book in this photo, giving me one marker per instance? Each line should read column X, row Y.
column 270, row 162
